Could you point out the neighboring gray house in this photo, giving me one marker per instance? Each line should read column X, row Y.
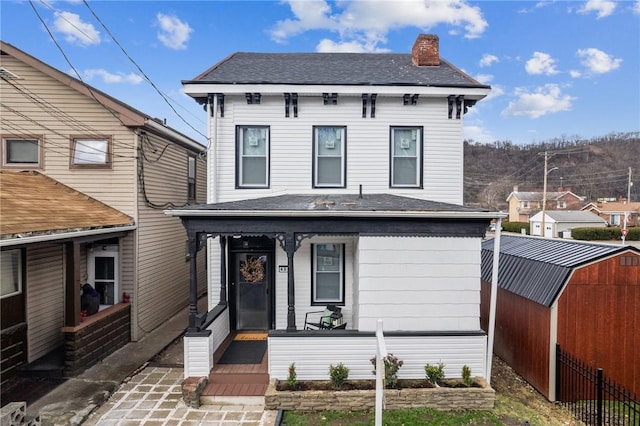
column 337, row 179
column 559, row 223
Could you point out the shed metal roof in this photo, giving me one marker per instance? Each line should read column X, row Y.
column 538, row 268
column 368, row 69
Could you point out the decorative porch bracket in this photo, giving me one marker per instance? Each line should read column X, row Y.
column 290, row 242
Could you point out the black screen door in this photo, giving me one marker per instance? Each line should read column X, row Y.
column 251, row 283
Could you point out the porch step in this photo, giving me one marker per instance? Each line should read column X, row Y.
column 239, row 378
column 236, row 384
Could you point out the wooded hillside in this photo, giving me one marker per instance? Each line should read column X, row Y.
column 595, row 168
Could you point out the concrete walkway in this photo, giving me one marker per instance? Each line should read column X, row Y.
column 153, row 397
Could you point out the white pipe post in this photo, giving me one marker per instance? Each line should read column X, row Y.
column 494, row 298
column 381, row 353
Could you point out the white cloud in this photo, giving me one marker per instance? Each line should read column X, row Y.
column 575, row 74
column 477, row 132
column 366, row 23
column 547, row 99
column 173, row 33
column 597, row 61
column 111, row 78
column 541, row 63
column 327, row 45
column 75, row 30
column 636, row 7
column 483, row 78
column 488, row 59
column 603, row 8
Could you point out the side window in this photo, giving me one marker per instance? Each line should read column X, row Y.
column 103, row 273
column 90, row 152
column 329, row 156
column 406, row 157
column 22, row 152
column 252, row 157
column 10, row 273
column 328, row 274
column 191, row 178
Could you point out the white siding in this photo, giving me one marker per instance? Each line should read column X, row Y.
column 313, row 355
column 419, row 283
column 45, row 299
column 367, row 145
column 302, row 271
column 198, row 351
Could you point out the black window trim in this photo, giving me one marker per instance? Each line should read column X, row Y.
column 420, row 183
column 343, row 169
column 313, row 275
column 239, row 128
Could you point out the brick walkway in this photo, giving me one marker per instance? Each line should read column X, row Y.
column 153, row 397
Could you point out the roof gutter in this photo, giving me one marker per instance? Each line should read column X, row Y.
column 64, row 236
column 337, row 213
column 172, row 134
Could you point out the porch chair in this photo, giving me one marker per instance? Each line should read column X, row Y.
column 330, row 319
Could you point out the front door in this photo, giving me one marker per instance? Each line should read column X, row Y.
column 250, row 296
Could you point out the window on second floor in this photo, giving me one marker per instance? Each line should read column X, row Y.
column 22, row 152
column 90, row 152
column 252, row 157
column 191, row 178
column 406, row 157
column 329, row 156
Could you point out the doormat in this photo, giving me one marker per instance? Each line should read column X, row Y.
column 251, row 335
column 244, row 352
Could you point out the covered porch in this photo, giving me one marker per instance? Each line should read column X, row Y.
column 413, row 263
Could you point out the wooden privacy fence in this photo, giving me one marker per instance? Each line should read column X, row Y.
column 590, row 396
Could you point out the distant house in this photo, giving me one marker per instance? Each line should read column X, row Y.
column 338, row 179
column 523, row 205
column 126, row 161
column 559, row 223
column 583, row 296
column 614, row 212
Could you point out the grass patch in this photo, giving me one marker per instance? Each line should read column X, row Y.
column 415, row 416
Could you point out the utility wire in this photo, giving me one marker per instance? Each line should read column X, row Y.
column 164, row 97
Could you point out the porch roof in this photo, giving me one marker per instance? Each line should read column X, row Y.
column 326, row 205
column 36, row 205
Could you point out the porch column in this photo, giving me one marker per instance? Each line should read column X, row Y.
column 72, row 284
column 223, row 269
column 193, row 282
column 290, row 248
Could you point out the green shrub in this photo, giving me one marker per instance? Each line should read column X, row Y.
column 606, row 234
column 435, row 373
column 391, row 367
column 338, row 374
column 466, row 375
column 516, row 227
column 292, row 377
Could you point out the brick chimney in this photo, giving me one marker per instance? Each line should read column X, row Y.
column 426, row 51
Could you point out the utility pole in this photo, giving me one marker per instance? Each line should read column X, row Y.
column 626, row 213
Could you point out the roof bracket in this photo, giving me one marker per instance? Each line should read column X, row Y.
column 330, row 98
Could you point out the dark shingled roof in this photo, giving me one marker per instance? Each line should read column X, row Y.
column 368, row 69
column 538, row 268
column 340, row 202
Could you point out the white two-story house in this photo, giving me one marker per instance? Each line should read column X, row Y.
column 337, row 179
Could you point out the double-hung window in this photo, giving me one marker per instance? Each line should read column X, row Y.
column 328, row 274
column 406, row 157
column 10, row 273
column 191, row 178
column 22, row 152
column 252, row 165
column 329, row 156
column 102, row 271
column 90, row 152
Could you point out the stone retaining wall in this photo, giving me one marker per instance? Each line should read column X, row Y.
column 475, row 398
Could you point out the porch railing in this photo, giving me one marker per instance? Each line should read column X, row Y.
column 590, row 396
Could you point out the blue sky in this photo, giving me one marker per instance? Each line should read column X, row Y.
column 558, row 69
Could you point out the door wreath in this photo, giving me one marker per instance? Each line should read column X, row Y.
column 252, row 270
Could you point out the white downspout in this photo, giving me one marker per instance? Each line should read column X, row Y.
column 494, row 297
